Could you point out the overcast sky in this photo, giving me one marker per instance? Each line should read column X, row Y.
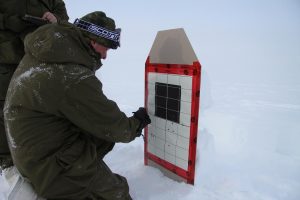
column 236, row 40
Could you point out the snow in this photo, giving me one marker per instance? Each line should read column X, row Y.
column 249, row 131
column 246, row 150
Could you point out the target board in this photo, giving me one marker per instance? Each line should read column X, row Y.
column 172, row 93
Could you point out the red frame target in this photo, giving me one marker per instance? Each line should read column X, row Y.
column 170, row 141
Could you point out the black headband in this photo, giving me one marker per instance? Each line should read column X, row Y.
column 114, row 36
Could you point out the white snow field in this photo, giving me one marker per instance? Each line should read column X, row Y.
column 248, row 148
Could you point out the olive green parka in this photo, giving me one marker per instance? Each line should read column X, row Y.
column 59, row 122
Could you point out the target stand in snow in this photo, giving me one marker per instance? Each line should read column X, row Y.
column 172, row 93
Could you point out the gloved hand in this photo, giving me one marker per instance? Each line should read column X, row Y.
column 143, row 117
column 14, row 23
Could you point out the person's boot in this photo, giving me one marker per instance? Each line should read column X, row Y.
column 19, row 188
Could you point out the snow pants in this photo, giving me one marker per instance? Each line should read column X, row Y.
column 105, row 184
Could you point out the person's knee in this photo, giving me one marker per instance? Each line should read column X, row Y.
column 125, row 191
column 111, row 187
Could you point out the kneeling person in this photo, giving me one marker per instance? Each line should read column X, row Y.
column 59, row 123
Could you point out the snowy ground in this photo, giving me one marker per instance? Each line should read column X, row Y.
column 248, row 147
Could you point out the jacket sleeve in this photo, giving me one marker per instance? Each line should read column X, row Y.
column 87, row 107
column 60, row 11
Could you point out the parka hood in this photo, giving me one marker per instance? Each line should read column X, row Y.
column 62, row 44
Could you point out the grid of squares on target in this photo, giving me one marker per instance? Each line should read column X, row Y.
column 169, row 107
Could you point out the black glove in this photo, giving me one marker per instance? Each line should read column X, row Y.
column 143, row 117
column 14, row 23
